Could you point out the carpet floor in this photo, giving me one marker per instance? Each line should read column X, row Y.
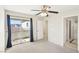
column 40, row 46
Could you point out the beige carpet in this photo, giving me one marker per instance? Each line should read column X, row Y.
column 41, row 46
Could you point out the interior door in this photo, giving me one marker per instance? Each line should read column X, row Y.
column 45, row 29
column 39, row 29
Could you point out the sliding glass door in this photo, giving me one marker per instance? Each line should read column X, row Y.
column 20, row 30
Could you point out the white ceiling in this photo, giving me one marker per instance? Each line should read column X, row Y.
column 28, row 8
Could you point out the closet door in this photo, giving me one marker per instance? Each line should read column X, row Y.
column 39, row 29
column 45, row 30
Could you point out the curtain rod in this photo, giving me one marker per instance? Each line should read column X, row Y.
column 19, row 19
column 20, row 16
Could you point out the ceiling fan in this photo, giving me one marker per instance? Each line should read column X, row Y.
column 44, row 11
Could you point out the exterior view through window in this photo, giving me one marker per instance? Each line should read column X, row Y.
column 20, row 31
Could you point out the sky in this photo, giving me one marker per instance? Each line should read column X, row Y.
column 15, row 21
column 24, row 26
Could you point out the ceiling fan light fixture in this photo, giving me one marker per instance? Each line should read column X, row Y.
column 43, row 14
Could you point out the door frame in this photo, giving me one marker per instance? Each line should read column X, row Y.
column 64, row 39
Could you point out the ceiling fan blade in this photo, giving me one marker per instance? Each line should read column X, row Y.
column 53, row 12
column 38, row 13
column 36, row 10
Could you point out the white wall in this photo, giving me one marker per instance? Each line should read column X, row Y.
column 55, row 29
column 2, row 30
